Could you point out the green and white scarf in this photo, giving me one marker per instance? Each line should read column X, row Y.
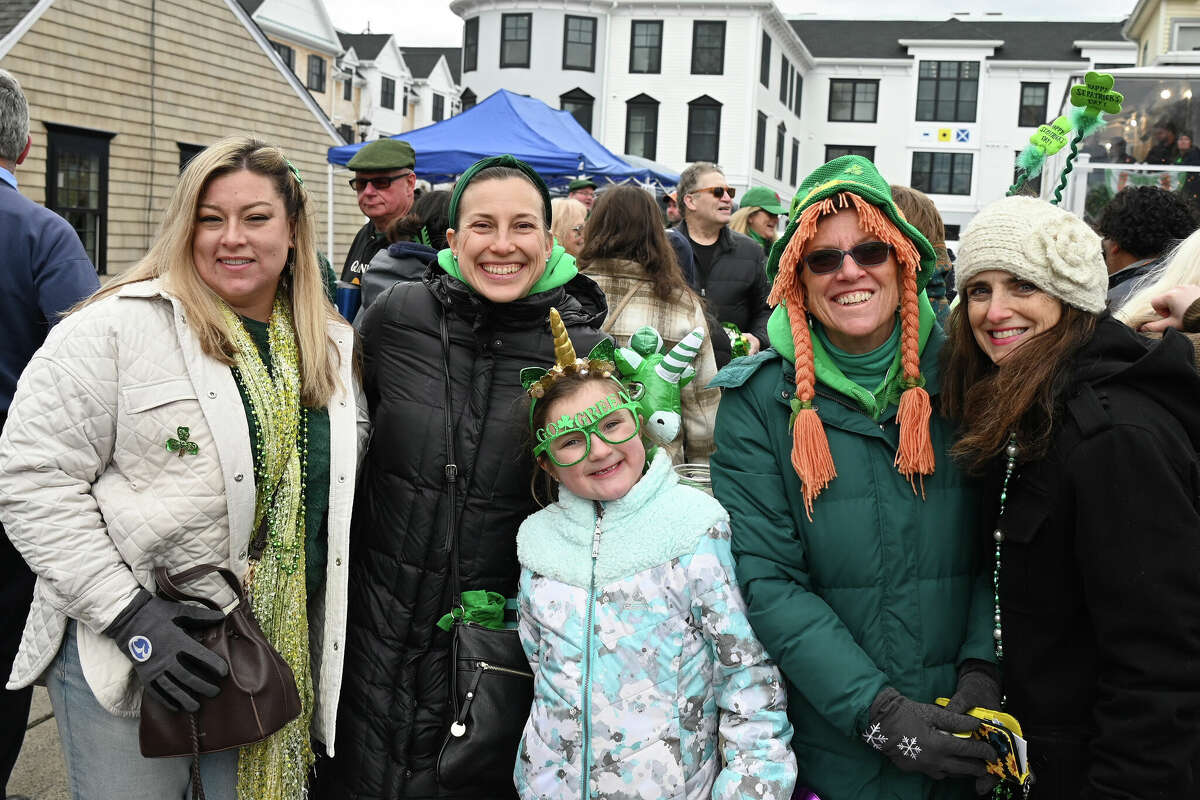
column 277, row 767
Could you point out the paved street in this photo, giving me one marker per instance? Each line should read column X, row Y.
column 39, row 773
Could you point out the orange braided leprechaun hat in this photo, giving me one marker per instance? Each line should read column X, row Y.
column 852, row 182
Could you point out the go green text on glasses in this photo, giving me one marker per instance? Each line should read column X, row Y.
column 867, row 254
column 568, row 440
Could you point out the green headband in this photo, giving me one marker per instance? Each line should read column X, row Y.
column 498, row 161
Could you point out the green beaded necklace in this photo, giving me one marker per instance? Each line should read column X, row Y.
column 998, row 535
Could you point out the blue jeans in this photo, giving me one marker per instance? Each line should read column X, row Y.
column 103, row 757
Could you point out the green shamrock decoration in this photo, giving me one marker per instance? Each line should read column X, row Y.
column 182, row 445
column 1053, row 137
column 854, row 169
column 1095, row 94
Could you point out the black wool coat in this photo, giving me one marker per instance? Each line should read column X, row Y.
column 735, row 286
column 394, row 711
column 1100, row 578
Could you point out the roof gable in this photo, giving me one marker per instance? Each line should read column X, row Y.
column 422, row 60
column 367, row 46
column 1023, row 41
column 304, row 21
column 12, row 12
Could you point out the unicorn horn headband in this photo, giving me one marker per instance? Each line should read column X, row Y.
column 536, row 380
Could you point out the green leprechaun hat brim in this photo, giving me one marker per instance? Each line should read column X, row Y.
column 857, row 175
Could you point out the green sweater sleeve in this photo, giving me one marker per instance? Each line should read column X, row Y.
column 812, row 646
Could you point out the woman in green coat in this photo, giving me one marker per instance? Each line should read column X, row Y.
column 851, row 527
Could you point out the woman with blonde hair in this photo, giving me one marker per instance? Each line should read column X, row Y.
column 568, row 219
column 758, row 216
column 205, row 394
column 1148, row 308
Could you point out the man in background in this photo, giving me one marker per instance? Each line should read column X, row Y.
column 384, row 182
column 1139, row 227
column 583, row 190
column 43, row 272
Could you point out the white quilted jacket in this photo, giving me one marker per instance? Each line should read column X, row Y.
column 93, row 500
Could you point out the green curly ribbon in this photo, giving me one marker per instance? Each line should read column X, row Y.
column 1067, row 168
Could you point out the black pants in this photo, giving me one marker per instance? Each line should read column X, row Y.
column 16, row 592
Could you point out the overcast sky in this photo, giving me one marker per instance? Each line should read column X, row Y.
column 430, row 22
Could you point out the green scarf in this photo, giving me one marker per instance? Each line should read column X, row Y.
column 874, row 404
column 763, row 243
column 559, row 270
column 277, row 767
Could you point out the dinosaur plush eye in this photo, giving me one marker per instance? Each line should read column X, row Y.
column 637, row 390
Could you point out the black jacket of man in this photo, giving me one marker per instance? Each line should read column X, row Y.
column 735, row 284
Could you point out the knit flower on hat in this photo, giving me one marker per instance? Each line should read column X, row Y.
column 1067, row 248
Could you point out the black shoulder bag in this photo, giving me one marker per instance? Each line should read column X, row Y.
column 491, row 685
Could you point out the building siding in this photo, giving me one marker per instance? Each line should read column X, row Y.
column 88, row 63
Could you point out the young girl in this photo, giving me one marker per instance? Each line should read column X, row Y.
column 649, row 682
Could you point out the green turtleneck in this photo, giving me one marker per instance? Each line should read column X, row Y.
column 870, row 370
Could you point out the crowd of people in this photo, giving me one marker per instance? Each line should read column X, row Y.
column 923, row 506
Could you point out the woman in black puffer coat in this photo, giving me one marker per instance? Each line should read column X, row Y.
column 496, row 285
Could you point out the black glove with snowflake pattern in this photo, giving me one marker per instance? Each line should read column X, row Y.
column 918, row 737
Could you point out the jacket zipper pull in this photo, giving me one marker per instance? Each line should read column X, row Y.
column 596, row 532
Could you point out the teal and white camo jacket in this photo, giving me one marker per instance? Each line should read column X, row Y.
column 648, row 681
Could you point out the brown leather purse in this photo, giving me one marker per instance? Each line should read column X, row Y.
column 257, row 698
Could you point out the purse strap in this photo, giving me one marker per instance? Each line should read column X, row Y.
column 450, row 471
column 608, row 323
column 169, row 585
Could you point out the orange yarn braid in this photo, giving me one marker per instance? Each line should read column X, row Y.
column 811, row 458
column 914, row 456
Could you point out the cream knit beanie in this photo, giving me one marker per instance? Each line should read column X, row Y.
column 1035, row 241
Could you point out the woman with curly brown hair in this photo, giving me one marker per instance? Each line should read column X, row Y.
column 1086, row 434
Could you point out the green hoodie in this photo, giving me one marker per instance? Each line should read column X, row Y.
column 560, row 269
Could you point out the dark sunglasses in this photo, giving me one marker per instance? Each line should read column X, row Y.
column 717, row 191
column 380, row 183
column 867, row 254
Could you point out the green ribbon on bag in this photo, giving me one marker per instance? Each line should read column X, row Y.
column 478, row 606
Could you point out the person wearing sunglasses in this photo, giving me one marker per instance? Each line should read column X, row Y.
column 850, row 522
column 729, row 265
column 384, row 182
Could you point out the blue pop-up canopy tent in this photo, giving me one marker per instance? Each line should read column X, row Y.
column 550, row 141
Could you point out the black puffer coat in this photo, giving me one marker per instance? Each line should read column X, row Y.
column 735, row 285
column 394, row 710
column 1099, row 586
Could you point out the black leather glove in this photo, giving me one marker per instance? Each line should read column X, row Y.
column 978, row 687
column 169, row 662
column 916, row 737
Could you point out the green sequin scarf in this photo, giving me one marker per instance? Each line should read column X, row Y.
column 277, row 767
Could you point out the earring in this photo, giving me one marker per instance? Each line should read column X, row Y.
column 290, row 263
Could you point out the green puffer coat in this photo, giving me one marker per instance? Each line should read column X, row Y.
column 880, row 589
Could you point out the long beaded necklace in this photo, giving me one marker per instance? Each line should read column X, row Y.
column 1011, row 452
column 1003, row 790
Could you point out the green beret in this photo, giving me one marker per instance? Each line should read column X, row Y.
column 764, row 198
column 383, row 154
column 581, row 183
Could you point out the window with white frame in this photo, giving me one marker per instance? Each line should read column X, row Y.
column 942, row 173
column 853, row 100
column 579, row 43
column 645, row 46
column 641, row 126
column 515, row 30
